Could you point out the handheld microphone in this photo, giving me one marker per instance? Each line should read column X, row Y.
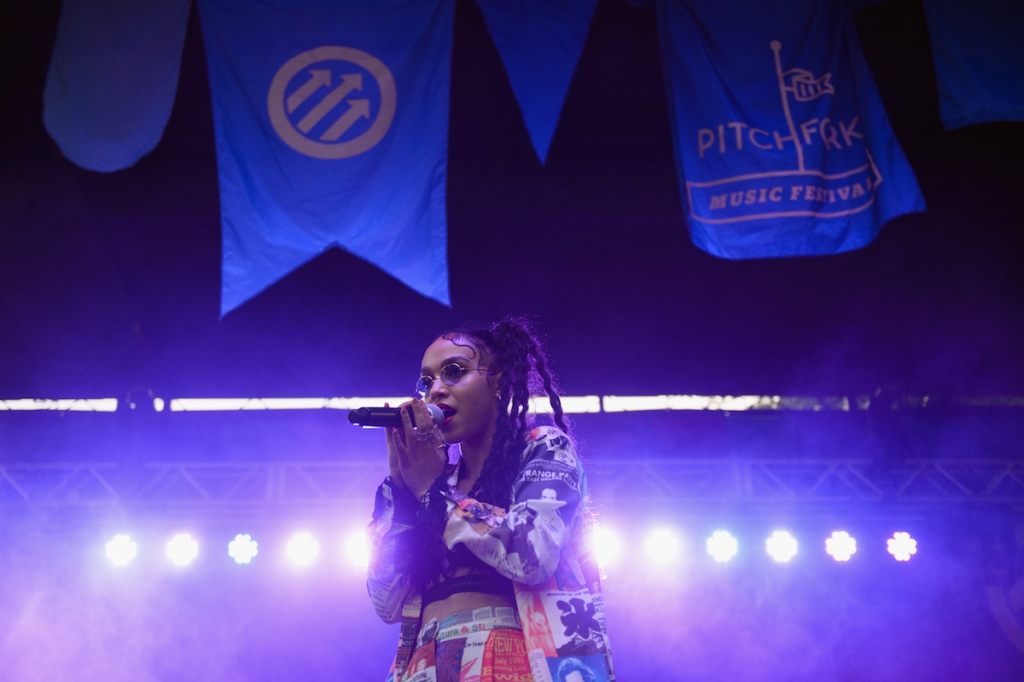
column 388, row 416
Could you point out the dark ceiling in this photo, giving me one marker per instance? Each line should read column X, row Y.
column 109, row 283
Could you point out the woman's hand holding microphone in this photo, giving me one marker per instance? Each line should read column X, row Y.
column 416, row 453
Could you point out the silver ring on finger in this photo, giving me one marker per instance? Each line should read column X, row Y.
column 425, row 437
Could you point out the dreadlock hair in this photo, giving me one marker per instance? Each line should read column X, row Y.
column 510, row 347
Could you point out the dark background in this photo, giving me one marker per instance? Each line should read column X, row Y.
column 109, row 287
column 111, row 281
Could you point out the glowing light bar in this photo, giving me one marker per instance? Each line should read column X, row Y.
column 643, row 403
column 243, row 548
column 781, row 546
column 841, row 546
column 729, row 403
column 237, row 404
column 722, row 546
column 69, row 405
column 182, row 549
column 303, row 549
column 902, row 546
column 570, row 404
column 582, row 404
column 121, row 550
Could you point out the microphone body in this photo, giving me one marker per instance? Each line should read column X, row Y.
column 388, row 416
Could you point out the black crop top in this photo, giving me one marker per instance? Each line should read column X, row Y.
column 481, row 578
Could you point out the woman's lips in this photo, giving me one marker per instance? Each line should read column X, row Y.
column 448, row 412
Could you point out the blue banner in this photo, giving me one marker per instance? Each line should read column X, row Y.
column 540, row 42
column 112, row 78
column 979, row 60
column 331, row 120
column 781, row 142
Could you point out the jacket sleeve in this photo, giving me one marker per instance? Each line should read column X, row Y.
column 526, row 543
column 388, row 578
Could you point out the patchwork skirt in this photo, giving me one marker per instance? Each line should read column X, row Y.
column 481, row 645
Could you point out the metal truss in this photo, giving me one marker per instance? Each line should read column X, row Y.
column 663, row 482
column 202, row 484
column 912, row 483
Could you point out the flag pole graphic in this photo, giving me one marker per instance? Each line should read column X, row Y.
column 776, row 49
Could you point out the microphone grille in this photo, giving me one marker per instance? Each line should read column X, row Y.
column 436, row 414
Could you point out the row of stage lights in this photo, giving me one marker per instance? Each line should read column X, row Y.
column 182, row 549
column 662, row 546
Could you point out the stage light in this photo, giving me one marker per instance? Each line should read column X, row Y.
column 121, row 550
column 722, row 546
column 662, row 546
column 239, row 404
column 182, row 549
column 357, row 549
column 605, row 545
column 242, row 549
column 580, row 404
column 303, row 549
column 729, row 403
column 841, row 546
column 70, row 405
column 781, row 546
column 902, row 546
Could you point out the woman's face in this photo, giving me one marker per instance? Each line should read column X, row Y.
column 471, row 405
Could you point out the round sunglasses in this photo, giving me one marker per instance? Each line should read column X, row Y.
column 450, row 375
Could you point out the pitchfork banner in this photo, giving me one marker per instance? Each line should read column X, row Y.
column 331, row 120
column 112, row 78
column 979, row 62
column 781, row 142
column 540, row 42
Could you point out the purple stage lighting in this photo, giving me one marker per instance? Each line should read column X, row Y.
column 121, row 550
column 841, row 546
column 902, row 546
column 242, row 549
column 722, row 546
column 182, row 549
column 781, row 546
column 606, row 546
column 662, row 546
column 357, row 549
column 303, row 549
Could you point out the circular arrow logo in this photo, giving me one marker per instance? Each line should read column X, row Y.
column 332, row 102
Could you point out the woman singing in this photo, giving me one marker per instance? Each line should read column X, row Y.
column 480, row 535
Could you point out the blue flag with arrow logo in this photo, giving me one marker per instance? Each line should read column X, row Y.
column 332, row 130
